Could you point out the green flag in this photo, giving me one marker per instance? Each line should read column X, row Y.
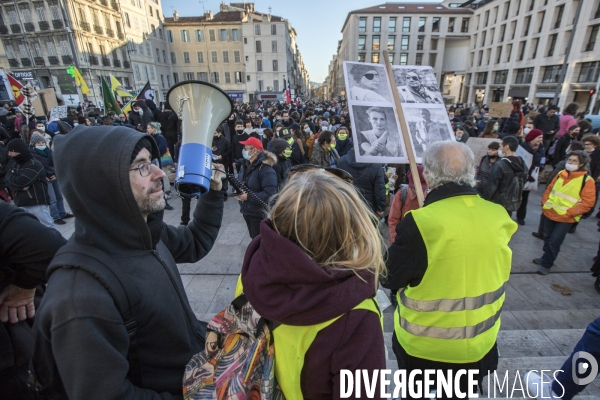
column 110, row 104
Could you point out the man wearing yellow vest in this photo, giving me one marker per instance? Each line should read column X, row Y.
column 571, row 194
column 452, row 260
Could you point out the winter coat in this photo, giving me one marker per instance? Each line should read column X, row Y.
column 168, row 124
column 153, row 109
column 30, row 175
column 282, row 169
column 297, row 157
column 284, row 285
column 261, row 179
column 322, row 157
column 96, row 185
column 136, row 119
column 237, row 147
column 343, row 146
column 483, row 173
column 221, row 147
column 587, row 195
column 501, row 176
column 368, row 179
column 45, row 158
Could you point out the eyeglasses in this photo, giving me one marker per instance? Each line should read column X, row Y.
column 370, row 76
column 340, row 173
column 414, row 78
column 145, row 169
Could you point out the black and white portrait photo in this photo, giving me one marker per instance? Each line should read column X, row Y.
column 417, row 85
column 377, row 134
column 426, row 126
column 367, row 82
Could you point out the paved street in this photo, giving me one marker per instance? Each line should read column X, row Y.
column 540, row 326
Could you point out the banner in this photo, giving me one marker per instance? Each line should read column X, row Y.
column 16, row 87
column 110, row 103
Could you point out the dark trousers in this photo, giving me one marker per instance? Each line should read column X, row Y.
column 185, row 210
column 590, row 343
column 522, row 211
column 554, row 236
column 253, row 224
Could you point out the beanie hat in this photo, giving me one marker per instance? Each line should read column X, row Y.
column 18, row 146
column 36, row 138
column 144, row 143
column 533, row 134
column 279, row 145
column 140, row 103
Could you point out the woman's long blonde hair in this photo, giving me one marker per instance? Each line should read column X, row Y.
column 327, row 218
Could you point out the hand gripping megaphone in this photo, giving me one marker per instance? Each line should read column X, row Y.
column 201, row 108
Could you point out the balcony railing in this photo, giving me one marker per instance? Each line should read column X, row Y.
column 114, row 5
column 110, row 32
column 93, row 60
column 26, row 62
column 44, row 25
column 39, row 60
column 58, row 24
column 67, row 59
column 29, row 26
column 3, row 29
column 126, row 64
column 85, row 26
column 13, row 62
column 15, row 28
column 98, row 29
column 105, row 62
column 117, row 62
column 53, row 60
column 120, row 35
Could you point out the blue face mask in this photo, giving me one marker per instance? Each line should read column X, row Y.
column 245, row 154
column 40, row 147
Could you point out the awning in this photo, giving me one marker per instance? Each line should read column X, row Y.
column 545, row 95
column 518, row 92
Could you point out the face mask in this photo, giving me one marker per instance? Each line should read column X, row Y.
column 526, row 130
column 342, row 136
column 239, row 131
column 332, row 146
column 75, row 124
column 245, row 154
column 307, row 130
column 458, row 139
column 571, row 167
column 41, row 128
column 500, row 153
column 287, row 153
column 40, row 147
column 495, row 128
column 141, row 111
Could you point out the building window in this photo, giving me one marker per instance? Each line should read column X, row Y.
column 506, row 9
column 391, row 58
column 500, row 77
column 274, row 46
column 433, row 44
column 150, row 11
column 498, row 54
column 480, row 58
column 225, row 56
column 168, row 80
column 169, row 35
column 552, row 44
column 236, row 56
column 245, row 40
column 152, row 28
column 420, row 41
column 214, row 77
column 521, row 50
column 377, row 24
column 362, row 43
column 527, row 23
column 186, row 57
column 227, row 77
column 235, row 35
column 276, row 85
column 199, row 35
column 392, row 24
column 483, row 37
column 173, row 58
column 535, row 47
column 375, row 42
column 403, row 58
column 258, row 47
column 238, row 76
column 202, row 76
column 223, row 35
column 592, row 38
column 273, row 29
column 200, row 57
column 559, row 14
column 508, row 52
column 375, row 58
column 524, row 75
column 551, row 74
column 451, row 24
column 362, row 24
column 275, row 65
column 586, row 74
column 406, row 24
column 419, row 59
column 188, row 76
column 404, row 42
column 185, row 36
column 259, row 65
column 464, row 28
column 391, row 45
column 486, row 18
column 211, row 35
column 541, row 19
column 432, row 59
column 164, row 54
column 213, row 56
column 162, row 80
column 160, row 35
column 482, row 78
column 361, row 57
column 435, row 26
column 175, row 77
column 502, row 32
column 422, row 22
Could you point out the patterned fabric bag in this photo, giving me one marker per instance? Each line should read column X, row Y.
column 238, row 361
column 166, row 159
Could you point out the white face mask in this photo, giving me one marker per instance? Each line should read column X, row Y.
column 75, row 124
column 41, row 128
column 526, row 130
column 571, row 167
column 500, row 153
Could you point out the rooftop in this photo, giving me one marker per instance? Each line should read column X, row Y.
column 223, row 16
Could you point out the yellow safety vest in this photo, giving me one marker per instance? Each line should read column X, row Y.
column 562, row 197
column 453, row 315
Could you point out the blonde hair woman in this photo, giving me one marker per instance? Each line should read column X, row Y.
column 314, row 269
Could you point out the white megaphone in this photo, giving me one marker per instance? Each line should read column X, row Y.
column 201, row 108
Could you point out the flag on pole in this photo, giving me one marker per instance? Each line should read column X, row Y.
column 27, row 106
column 145, row 94
column 288, row 93
column 110, row 104
column 79, row 81
column 16, row 87
column 116, row 86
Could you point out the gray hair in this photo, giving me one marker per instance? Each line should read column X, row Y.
column 447, row 162
column 156, row 126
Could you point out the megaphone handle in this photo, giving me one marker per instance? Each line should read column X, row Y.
column 239, row 185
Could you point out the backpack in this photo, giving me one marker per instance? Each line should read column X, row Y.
column 511, row 199
column 63, row 127
column 239, row 359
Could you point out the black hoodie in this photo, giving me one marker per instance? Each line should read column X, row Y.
column 368, row 179
column 80, row 336
column 503, row 172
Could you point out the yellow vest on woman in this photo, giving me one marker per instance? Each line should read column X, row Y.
column 563, row 197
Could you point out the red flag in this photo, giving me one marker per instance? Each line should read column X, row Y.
column 16, row 86
column 288, row 93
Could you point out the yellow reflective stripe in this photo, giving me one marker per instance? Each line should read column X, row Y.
column 464, row 332
column 448, row 305
column 565, row 196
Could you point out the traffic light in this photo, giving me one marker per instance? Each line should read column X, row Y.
column 592, row 91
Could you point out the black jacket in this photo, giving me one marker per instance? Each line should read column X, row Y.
column 560, row 151
column 32, row 176
column 503, row 172
column 261, row 179
column 221, row 147
column 547, row 124
column 4, row 160
column 368, row 179
column 282, row 169
column 46, row 159
column 168, row 124
column 297, row 158
column 96, row 185
column 136, row 119
column 343, row 146
column 237, row 147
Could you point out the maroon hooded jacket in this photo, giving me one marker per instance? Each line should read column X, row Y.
column 284, row 285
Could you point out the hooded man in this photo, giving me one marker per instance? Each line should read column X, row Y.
column 82, row 346
column 140, row 116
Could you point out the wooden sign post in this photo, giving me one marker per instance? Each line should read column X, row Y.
column 405, row 134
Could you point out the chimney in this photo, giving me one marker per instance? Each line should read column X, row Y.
column 209, row 15
column 175, row 15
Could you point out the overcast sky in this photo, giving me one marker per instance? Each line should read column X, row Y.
column 317, row 22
